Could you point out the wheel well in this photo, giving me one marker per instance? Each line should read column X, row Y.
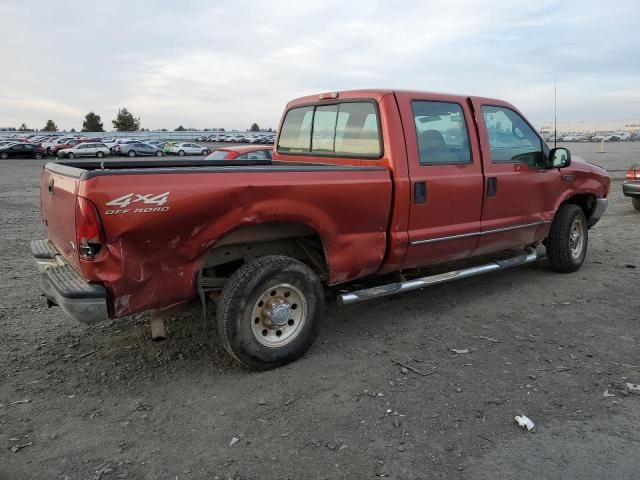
column 294, row 240
column 586, row 201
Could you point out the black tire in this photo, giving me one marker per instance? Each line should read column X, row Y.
column 635, row 201
column 205, row 152
column 37, row 156
column 242, row 295
column 131, row 153
column 4, row 155
column 181, row 153
column 99, row 154
column 71, row 155
column 159, row 153
column 562, row 251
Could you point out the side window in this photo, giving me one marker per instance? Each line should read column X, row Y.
column 511, row 139
column 295, row 136
column 442, row 133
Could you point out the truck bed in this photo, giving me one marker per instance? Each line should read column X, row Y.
column 161, row 218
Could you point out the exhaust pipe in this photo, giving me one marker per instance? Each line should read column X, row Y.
column 399, row 287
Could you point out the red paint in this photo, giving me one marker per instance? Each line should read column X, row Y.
column 365, row 219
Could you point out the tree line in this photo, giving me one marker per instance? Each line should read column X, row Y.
column 125, row 121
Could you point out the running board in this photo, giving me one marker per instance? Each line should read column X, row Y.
column 398, row 287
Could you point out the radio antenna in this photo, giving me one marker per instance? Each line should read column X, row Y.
column 555, row 113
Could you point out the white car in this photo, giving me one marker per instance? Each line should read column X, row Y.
column 187, row 148
column 98, row 150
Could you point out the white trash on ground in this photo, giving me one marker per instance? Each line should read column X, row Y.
column 525, row 422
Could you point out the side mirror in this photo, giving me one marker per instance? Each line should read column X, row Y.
column 559, row 158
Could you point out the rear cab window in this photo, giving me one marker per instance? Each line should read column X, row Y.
column 345, row 129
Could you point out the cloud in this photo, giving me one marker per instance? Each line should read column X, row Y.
column 204, row 64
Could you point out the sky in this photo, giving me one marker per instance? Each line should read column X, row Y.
column 206, row 64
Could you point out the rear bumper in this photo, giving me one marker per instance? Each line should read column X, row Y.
column 598, row 211
column 61, row 285
column 631, row 188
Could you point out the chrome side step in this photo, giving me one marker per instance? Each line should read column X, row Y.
column 398, row 287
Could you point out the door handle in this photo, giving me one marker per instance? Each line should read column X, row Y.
column 420, row 193
column 492, row 186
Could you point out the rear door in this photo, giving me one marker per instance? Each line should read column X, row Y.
column 445, row 170
column 520, row 192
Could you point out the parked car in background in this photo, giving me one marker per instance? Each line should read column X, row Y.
column 120, row 141
column 98, row 150
column 23, row 150
column 56, row 147
column 158, row 143
column 49, row 145
column 240, row 152
column 631, row 186
column 186, row 148
column 138, row 148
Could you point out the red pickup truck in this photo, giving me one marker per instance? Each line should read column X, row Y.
column 367, row 183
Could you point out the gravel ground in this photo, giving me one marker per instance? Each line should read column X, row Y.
column 105, row 402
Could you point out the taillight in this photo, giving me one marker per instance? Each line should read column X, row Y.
column 89, row 233
column 633, row 173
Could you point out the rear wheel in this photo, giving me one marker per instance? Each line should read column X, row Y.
column 270, row 312
column 99, row 154
column 37, row 156
column 568, row 239
column 4, row 155
column 636, row 202
column 72, row 155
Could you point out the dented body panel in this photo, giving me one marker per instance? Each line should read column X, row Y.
column 153, row 252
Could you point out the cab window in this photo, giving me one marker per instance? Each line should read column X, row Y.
column 345, row 129
column 511, row 139
column 442, row 133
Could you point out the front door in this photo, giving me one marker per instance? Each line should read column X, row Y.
column 446, row 178
column 520, row 192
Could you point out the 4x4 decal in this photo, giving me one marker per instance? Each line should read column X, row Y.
column 145, row 199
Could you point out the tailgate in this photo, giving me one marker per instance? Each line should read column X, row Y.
column 58, row 206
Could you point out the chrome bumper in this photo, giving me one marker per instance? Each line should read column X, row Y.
column 61, row 285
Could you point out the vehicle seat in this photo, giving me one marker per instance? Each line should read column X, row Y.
column 433, row 148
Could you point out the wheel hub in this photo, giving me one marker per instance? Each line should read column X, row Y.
column 278, row 315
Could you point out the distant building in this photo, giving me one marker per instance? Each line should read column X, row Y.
column 632, row 126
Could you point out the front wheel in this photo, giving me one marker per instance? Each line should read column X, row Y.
column 100, row 154
column 205, row 152
column 38, row 156
column 568, row 239
column 4, row 156
column 132, row 153
column 181, row 153
column 270, row 312
column 159, row 153
column 72, row 155
column 635, row 201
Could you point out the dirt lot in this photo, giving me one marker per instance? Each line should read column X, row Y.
column 105, row 402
